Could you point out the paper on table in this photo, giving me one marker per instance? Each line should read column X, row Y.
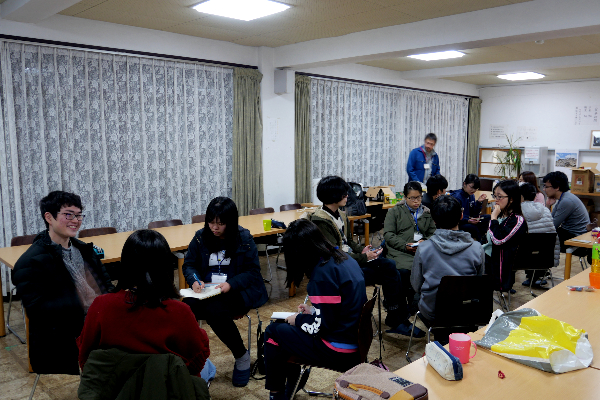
column 208, row 291
column 281, row 315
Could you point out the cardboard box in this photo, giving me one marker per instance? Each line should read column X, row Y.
column 373, row 192
column 583, row 178
column 597, row 183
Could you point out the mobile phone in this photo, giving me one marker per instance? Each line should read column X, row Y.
column 414, row 244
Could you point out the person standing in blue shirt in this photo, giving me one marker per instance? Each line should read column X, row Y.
column 423, row 161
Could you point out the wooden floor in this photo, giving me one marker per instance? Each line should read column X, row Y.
column 16, row 382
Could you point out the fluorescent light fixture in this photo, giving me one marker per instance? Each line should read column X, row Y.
column 246, row 10
column 521, row 76
column 442, row 55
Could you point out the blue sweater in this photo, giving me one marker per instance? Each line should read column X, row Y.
column 468, row 203
column 415, row 167
column 338, row 293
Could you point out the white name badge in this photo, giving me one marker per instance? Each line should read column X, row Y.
column 427, row 166
column 219, row 278
column 417, row 236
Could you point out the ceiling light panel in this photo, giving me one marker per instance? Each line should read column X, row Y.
column 442, row 55
column 245, row 10
column 521, row 76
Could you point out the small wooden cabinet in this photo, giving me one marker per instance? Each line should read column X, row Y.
column 491, row 163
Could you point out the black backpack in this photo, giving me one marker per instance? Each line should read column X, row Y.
column 356, row 200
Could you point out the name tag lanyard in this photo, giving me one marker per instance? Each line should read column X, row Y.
column 417, row 235
column 220, row 277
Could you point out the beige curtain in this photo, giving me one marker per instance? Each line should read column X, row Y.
column 247, row 182
column 473, row 135
column 302, row 139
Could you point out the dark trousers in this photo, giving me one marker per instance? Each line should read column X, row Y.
column 283, row 341
column 477, row 231
column 218, row 311
column 382, row 271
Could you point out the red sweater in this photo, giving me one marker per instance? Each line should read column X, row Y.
column 172, row 329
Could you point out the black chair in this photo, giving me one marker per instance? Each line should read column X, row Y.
column 165, row 223
column 536, row 253
column 461, row 301
column 294, row 206
column 375, row 221
column 365, row 338
column 17, row 241
column 97, row 231
column 269, row 240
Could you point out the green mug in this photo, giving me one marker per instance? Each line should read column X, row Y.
column 267, row 224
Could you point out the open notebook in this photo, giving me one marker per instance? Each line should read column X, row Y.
column 209, row 290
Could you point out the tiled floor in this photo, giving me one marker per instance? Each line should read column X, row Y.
column 16, row 382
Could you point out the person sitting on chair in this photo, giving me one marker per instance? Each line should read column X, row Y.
column 506, row 233
column 145, row 315
column 58, row 278
column 436, row 186
column 539, row 220
column 471, row 221
column 325, row 334
column 333, row 223
column 223, row 252
column 449, row 251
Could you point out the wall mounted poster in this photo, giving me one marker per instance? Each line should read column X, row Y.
column 595, row 140
column 565, row 159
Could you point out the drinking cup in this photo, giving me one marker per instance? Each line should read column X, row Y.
column 267, row 224
column 460, row 346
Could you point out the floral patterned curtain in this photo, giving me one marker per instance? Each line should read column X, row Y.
column 139, row 139
column 364, row 133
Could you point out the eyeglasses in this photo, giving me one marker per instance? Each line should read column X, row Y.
column 547, row 187
column 499, row 197
column 417, row 198
column 70, row 216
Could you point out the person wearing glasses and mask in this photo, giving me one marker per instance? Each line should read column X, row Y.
column 471, row 222
column 58, row 278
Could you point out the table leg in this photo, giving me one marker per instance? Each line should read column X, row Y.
column 567, row 265
column 367, row 242
column 2, row 321
column 292, row 290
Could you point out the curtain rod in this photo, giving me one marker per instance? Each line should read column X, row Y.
column 384, row 84
column 120, row 51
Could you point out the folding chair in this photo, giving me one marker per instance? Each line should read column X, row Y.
column 536, row 253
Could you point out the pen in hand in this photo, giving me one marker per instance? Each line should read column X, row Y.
column 199, row 281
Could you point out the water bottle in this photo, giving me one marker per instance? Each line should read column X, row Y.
column 596, row 256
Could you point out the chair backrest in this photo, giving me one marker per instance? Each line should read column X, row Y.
column 377, row 217
column 162, row 224
column 536, row 252
column 196, row 219
column 486, row 184
column 287, row 207
column 258, row 211
column 107, row 230
column 365, row 326
column 22, row 240
column 464, row 301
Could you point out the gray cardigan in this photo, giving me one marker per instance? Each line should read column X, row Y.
column 539, row 220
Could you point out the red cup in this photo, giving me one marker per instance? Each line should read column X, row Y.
column 460, row 346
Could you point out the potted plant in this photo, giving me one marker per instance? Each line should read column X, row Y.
column 509, row 160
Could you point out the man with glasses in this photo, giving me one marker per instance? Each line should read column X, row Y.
column 423, row 161
column 568, row 212
column 58, row 278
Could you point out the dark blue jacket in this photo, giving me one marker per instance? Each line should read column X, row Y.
column 415, row 165
column 338, row 293
column 468, row 203
column 244, row 271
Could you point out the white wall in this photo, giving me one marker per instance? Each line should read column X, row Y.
column 549, row 108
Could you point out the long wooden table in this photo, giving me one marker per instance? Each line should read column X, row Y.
column 178, row 237
column 584, row 240
column 481, row 381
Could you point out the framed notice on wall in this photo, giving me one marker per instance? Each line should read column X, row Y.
column 595, row 140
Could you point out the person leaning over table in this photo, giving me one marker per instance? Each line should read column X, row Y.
column 223, row 252
column 58, row 278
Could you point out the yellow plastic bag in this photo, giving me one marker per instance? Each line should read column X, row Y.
column 530, row 338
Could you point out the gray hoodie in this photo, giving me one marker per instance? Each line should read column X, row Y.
column 447, row 252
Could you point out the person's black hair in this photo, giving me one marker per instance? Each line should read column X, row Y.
column 529, row 177
column 305, row 246
column 431, row 136
column 528, row 191
column 474, row 179
column 226, row 211
column 413, row 185
column 558, row 180
column 146, row 269
column 332, row 189
column 56, row 200
column 512, row 190
column 446, row 212
column 436, row 183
